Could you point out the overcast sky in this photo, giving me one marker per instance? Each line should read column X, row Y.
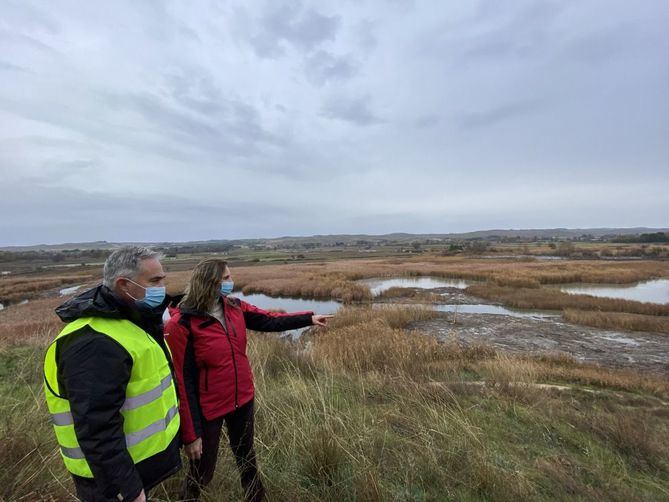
column 156, row 120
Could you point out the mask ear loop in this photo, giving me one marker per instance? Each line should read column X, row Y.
column 128, row 279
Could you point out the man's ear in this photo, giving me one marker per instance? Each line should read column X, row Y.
column 121, row 285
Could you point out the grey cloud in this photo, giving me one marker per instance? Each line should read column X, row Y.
column 43, row 143
column 231, row 127
column 525, row 33
column 427, row 121
column 56, row 214
column 197, row 92
column 30, row 17
column 76, row 166
column 194, row 94
column 354, row 110
column 27, row 40
column 190, row 118
column 365, row 35
column 289, row 23
column 5, row 66
column 58, row 115
column 605, row 45
column 189, row 32
column 323, row 67
column 496, row 115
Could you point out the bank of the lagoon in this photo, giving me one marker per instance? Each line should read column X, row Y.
column 655, row 291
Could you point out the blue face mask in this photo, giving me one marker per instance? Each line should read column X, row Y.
column 153, row 296
column 226, row 287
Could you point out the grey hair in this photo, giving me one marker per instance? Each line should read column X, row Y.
column 125, row 262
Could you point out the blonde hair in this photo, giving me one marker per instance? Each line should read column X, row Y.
column 204, row 286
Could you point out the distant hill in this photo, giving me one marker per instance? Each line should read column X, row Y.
column 539, row 233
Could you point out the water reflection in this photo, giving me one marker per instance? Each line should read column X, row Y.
column 656, row 291
column 289, row 304
column 379, row 285
column 491, row 309
column 68, row 291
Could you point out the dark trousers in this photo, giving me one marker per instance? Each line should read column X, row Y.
column 88, row 490
column 239, row 424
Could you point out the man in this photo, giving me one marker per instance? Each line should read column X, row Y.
column 108, row 383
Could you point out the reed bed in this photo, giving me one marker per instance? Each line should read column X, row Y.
column 318, row 286
column 337, row 279
column 19, row 288
column 553, row 299
column 617, row 320
column 409, row 294
column 301, row 281
column 506, row 271
column 33, row 323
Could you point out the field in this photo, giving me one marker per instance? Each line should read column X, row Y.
column 372, row 408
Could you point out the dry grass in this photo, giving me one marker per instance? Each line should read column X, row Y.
column 363, row 339
column 34, row 323
column 553, row 299
column 303, row 281
column 392, row 316
column 510, row 375
column 562, row 368
column 629, row 432
column 22, row 287
column 375, row 340
column 617, row 320
column 505, row 271
column 411, row 295
column 326, row 286
column 30, row 467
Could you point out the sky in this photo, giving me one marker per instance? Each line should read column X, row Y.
column 175, row 120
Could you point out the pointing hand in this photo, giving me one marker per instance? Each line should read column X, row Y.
column 321, row 320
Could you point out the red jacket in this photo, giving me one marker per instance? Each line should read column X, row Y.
column 212, row 370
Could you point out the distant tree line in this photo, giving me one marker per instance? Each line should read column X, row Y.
column 196, row 248
column 643, row 238
column 54, row 256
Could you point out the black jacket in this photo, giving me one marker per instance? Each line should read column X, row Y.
column 93, row 373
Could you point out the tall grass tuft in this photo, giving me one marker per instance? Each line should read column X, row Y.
column 617, row 320
column 30, row 465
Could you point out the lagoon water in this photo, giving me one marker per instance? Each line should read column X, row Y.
column 656, row 291
column 289, row 304
column 68, row 291
column 491, row 309
column 379, row 285
column 474, row 308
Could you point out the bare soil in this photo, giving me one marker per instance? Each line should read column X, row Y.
column 647, row 352
column 642, row 351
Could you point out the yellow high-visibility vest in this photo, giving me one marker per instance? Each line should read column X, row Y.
column 150, row 411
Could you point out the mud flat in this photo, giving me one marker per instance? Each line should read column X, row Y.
column 647, row 352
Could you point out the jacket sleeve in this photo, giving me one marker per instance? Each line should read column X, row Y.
column 261, row 320
column 180, row 341
column 95, row 371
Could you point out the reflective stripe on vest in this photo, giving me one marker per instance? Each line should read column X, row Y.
column 135, row 437
column 150, row 410
column 65, row 418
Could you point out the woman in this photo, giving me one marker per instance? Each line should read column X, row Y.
column 207, row 337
